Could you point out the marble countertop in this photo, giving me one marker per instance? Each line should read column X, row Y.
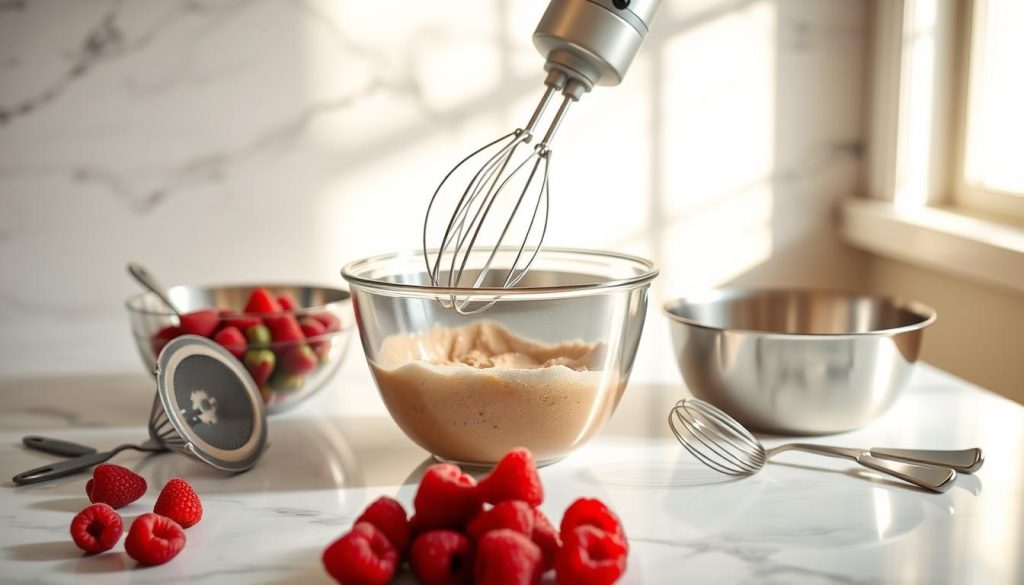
column 803, row 519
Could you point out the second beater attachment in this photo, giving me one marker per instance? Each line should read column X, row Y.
column 506, row 201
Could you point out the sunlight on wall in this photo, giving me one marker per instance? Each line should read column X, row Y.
column 914, row 147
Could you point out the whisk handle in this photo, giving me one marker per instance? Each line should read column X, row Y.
column 936, row 479
column 964, row 460
column 63, row 468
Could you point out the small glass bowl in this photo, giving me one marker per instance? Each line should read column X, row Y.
column 542, row 365
column 280, row 391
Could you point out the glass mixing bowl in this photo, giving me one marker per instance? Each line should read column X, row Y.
column 542, row 365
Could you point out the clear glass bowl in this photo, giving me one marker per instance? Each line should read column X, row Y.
column 148, row 316
column 543, row 365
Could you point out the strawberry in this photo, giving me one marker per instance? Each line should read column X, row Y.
column 114, row 485
column 258, row 334
column 232, row 339
column 179, row 502
column 515, row 477
column 329, row 321
column 261, row 301
column 283, row 381
column 284, row 328
column 546, row 537
column 362, row 556
column 240, row 322
column 587, row 511
column 590, row 556
column 442, row 557
column 260, row 363
column 505, row 557
column 512, row 514
column 313, row 330
column 163, row 337
column 446, row 498
column 389, row 517
column 96, row 528
column 286, row 302
column 299, row 359
column 154, row 539
column 202, row 323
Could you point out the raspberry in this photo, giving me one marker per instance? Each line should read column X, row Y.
column 512, row 514
column 233, row 340
column 362, row 556
column 96, row 528
column 513, row 478
column 546, row 537
column 505, row 557
column 202, row 323
column 114, row 485
column 590, row 556
column 388, row 516
column 179, row 502
column 586, row 511
column 261, row 301
column 446, row 498
column 442, row 557
column 154, row 539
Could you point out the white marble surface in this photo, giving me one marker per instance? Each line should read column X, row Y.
column 804, row 519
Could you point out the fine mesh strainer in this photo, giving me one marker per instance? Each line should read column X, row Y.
column 207, row 406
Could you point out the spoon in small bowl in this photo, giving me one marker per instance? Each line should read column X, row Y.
column 723, row 444
column 150, row 283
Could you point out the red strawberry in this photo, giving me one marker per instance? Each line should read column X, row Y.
column 362, row 556
column 314, row 329
column 260, row 363
column 329, row 321
column 261, row 301
column 162, row 337
column 114, row 485
column 442, row 557
column 587, row 511
column 512, row 514
column 299, row 359
column 284, row 328
column 286, row 302
column 154, row 539
column 446, row 498
column 240, row 322
column 546, row 537
column 389, row 517
column 505, row 557
column 232, row 339
column 202, row 323
column 179, row 502
column 96, row 528
column 590, row 556
column 513, row 478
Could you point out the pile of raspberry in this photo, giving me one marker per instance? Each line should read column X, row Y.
column 488, row 532
column 155, row 537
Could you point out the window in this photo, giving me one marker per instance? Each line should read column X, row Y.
column 992, row 172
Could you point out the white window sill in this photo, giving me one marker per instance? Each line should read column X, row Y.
column 989, row 251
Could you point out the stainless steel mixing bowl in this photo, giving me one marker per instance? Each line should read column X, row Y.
column 797, row 361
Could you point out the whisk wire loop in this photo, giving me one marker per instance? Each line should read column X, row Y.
column 715, row 439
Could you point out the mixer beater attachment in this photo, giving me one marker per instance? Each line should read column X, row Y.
column 507, row 198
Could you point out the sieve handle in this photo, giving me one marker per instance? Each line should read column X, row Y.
column 56, row 446
column 63, row 468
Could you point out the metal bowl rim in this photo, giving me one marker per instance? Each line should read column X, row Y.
column 650, row 271
column 925, row 312
column 347, row 296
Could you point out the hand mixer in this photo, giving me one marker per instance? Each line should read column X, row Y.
column 586, row 43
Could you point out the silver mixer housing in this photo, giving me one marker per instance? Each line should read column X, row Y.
column 593, row 41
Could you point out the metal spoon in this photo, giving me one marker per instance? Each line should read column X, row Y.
column 149, row 282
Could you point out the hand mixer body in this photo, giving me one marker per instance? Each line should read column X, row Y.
column 585, row 43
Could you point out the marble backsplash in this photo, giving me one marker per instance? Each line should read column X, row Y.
column 228, row 141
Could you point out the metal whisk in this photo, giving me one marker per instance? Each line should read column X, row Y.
column 721, row 443
column 586, row 43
